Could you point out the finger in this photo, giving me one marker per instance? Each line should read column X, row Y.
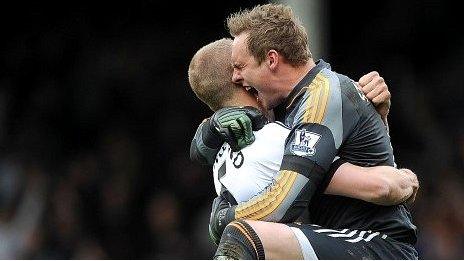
column 367, row 88
column 384, row 97
column 247, row 129
column 237, row 129
column 234, row 135
column 412, row 177
column 411, row 199
column 375, row 82
column 376, row 92
column 408, row 172
column 365, row 79
column 414, row 193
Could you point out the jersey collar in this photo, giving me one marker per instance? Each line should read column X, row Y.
column 289, row 102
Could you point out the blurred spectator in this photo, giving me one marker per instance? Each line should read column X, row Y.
column 168, row 241
column 21, row 209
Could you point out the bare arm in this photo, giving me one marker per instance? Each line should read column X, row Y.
column 380, row 185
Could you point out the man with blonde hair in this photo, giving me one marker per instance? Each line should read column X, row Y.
column 242, row 174
column 331, row 122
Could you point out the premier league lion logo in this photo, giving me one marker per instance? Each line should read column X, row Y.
column 304, row 143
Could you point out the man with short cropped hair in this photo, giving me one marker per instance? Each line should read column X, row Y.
column 236, row 184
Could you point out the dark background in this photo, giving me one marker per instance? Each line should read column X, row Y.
column 96, row 118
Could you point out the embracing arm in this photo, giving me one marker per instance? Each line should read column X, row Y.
column 233, row 125
column 382, row 185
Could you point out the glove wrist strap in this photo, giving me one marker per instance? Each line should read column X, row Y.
column 211, row 137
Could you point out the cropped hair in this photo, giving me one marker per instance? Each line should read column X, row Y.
column 210, row 73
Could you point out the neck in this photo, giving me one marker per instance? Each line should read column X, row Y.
column 290, row 76
column 241, row 99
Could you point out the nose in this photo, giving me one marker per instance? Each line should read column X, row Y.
column 237, row 77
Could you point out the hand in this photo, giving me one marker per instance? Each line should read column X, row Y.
column 218, row 220
column 414, row 182
column 236, row 125
column 376, row 90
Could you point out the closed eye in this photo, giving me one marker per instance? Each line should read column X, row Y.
column 238, row 66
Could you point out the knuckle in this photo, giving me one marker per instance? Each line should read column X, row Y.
column 379, row 80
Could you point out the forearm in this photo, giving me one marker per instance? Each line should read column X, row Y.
column 355, row 182
column 380, row 185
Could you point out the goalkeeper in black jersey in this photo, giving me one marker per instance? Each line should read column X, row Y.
column 332, row 122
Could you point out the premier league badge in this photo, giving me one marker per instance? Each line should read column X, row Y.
column 304, row 143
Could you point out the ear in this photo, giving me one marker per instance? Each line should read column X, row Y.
column 272, row 59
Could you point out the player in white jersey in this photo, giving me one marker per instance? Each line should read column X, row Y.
column 247, row 172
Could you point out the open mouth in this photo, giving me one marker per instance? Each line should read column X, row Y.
column 252, row 90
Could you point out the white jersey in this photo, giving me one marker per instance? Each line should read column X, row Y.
column 248, row 172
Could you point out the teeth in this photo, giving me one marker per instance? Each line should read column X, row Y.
column 248, row 88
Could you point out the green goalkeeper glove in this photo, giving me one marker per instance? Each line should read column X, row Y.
column 221, row 215
column 236, row 124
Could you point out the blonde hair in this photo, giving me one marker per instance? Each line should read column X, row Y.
column 210, row 73
column 272, row 26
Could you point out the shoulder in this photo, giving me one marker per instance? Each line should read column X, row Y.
column 323, row 103
column 271, row 133
column 322, row 96
column 275, row 126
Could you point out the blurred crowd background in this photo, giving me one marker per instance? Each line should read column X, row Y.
column 96, row 118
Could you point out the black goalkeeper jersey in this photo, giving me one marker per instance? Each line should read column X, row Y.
column 333, row 122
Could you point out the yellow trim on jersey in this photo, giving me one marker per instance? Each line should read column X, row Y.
column 261, row 206
column 316, row 105
column 295, row 96
column 312, row 102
